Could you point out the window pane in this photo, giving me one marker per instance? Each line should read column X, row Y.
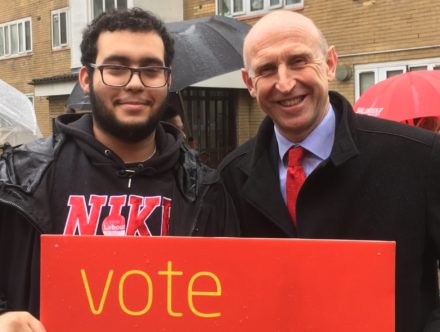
column 122, row 4
column 274, row 2
column 14, row 39
column 238, row 6
column 97, row 7
column 20, row 37
column 223, row 7
column 63, row 29
column 391, row 73
column 416, row 68
column 436, row 67
column 55, row 31
column 292, row 2
column 7, row 40
column 366, row 80
column 109, row 4
column 257, row 4
column 27, row 31
column 2, row 43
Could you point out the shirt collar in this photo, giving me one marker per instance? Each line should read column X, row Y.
column 319, row 141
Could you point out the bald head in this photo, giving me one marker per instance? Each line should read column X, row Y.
column 281, row 20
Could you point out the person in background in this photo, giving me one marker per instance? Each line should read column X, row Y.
column 317, row 170
column 173, row 116
column 119, row 160
column 192, row 142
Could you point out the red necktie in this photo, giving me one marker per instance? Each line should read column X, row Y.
column 295, row 178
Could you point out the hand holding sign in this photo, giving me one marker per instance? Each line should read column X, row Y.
column 20, row 321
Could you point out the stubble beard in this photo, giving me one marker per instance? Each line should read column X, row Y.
column 127, row 132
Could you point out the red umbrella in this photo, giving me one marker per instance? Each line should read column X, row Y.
column 407, row 96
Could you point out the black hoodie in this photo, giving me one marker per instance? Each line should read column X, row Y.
column 102, row 195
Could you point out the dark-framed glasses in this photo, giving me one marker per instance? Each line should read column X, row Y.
column 119, row 75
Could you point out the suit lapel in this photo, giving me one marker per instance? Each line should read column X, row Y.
column 262, row 188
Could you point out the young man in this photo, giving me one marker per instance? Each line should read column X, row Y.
column 363, row 178
column 118, row 171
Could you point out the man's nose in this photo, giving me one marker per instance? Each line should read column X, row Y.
column 135, row 81
column 285, row 80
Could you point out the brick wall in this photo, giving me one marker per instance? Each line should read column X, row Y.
column 43, row 61
column 198, row 8
column 353, row 26
column 362, row 26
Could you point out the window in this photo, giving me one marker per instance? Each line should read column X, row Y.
column 60, row 28
column 249, row 7
column 100, row 6
column 15, row 38
column 367, row 75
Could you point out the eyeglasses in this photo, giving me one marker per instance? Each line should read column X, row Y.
column 119, row 75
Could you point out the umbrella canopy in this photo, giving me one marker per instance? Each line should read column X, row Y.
column 204, row 48
column 78, row 100
column 18, row 123
column 407, row 96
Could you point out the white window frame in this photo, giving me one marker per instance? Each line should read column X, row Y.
column 19, row 27
column 247, row 7
column 357, row 80
column 58, row 12
column 115, row 2
column 381, row 69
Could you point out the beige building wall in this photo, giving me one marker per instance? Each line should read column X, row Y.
column 363, row 32
column 42, row 61
column 198, row 8
column 373, row 31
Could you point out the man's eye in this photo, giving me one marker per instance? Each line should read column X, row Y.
column 266, row 71
column 152, row 71
column 298, row 62
column 115, row 70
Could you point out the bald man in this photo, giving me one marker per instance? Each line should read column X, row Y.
column 356, row 177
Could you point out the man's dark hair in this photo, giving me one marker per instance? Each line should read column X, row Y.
column 135, row 19
column 170, row 111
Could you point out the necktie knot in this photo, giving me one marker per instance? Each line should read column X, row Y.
column 295, row 156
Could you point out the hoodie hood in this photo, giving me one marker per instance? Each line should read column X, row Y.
column 79, row 128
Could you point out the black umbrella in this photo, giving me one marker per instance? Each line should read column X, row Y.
column 78, row 100
column 205, row 47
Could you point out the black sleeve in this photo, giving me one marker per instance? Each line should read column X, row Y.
column 19, row 263
column 217, row 215
column 433, row 222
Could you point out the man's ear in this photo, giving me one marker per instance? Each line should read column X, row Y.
column 332, row 60
column 248, row 82
column 170, row 80
column 84, row 79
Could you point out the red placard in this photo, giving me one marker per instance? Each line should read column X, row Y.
column 97, row 283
